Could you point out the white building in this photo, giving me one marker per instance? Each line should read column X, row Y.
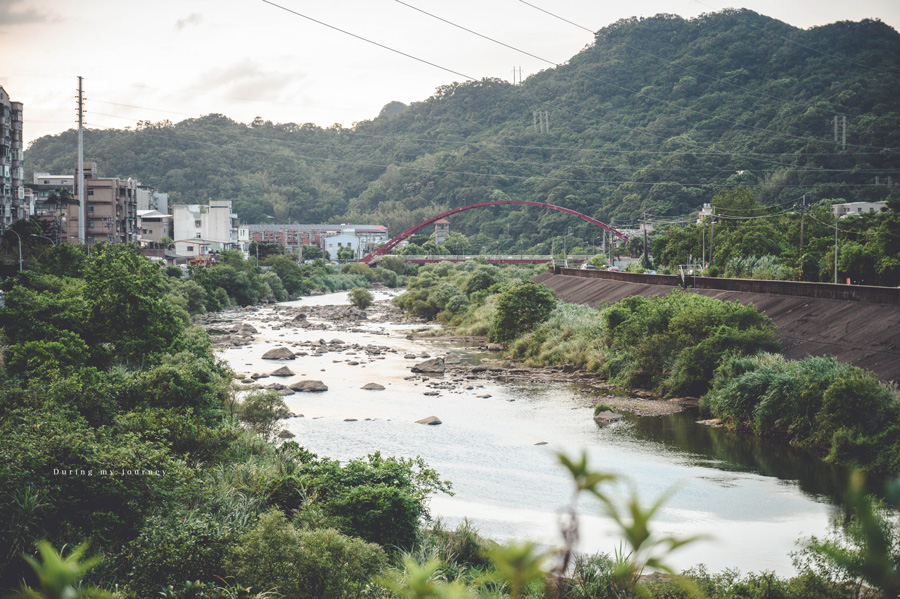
column 199, row 229
column 346, row 238
column 848, row 208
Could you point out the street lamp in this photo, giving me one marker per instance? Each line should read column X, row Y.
column 43, row 237
column 20, row 248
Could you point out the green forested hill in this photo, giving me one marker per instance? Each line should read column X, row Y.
column 656, row 115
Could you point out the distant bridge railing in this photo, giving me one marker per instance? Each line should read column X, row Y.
column 491, row 259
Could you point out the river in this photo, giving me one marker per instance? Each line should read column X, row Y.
column 752, row 500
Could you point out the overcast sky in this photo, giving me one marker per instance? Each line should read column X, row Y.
column 175, row 59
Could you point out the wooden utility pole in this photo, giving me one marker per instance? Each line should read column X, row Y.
column 712, row 231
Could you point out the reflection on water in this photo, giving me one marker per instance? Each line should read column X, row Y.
column 723, row 450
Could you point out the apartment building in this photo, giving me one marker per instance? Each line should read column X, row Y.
column 111, row 209
column 12, row 154
column 199, row 230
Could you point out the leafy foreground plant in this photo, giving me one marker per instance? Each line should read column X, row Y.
column 868, row 550
column 60, row 577
column 520, row 570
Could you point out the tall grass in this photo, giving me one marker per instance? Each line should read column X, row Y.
column 572, row 335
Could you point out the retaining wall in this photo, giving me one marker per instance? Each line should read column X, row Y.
column 856, row 329
column 856, row 293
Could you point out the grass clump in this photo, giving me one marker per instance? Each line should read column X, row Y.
column 602, row 407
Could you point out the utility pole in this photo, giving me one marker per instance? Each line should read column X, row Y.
column 844, row 142
column 802, row 219
column 835, row 129
column 82, row 192
column 703, row 255
column 612, row 256
column 645, row 262
column 712, row 232
column 541, row 121
column 517, row 71
column 835, row 248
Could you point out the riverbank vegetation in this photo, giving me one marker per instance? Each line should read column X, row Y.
column 837, row 410
column 123, row 437
column 120, row 429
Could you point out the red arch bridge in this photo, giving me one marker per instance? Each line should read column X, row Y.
column 391, row 244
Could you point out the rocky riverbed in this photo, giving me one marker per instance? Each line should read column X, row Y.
column 446, row 372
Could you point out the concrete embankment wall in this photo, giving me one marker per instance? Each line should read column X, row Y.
column 858, row 325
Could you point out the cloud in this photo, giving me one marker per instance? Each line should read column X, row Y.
column 192, row 19
column 15, row 12
column 245, row 80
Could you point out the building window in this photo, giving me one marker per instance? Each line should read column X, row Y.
column 90, row 192
column 196, row 223
column 190, row 248
column 198, row 235
column 90, row 208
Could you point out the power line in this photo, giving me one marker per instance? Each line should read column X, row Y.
column 489, row 175
column 374, row 43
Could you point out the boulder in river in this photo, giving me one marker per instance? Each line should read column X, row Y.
column 285, row 434
column 432, row 366
column 283, row 371
column 247, row 329
column 373, row 387
column 606, row 417
column 279, row 353
column 309, row 386
column 452, row 359
column 432, row 420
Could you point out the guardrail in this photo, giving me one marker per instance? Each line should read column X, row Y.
column 856, row 293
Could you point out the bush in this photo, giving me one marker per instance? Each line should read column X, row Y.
column 303, row 564
column 361, row 298
column 522, row 306
column 378, row 513
column 817, row 403
column 674, row 343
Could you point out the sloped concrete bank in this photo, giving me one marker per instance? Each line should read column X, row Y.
column 865, row 334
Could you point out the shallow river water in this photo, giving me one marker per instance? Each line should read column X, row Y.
column 752, row 500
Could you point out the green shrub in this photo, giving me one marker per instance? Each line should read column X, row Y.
column 817, row 403
column 303, row 564
column 378, row 513
column 361, row 298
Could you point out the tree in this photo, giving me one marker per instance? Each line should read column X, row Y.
column 127, row 306
column 262, row 410
column 519, row 309
column 264, row 250
column 310, row 252
column 346, row 253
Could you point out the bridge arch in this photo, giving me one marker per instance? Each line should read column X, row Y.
column 391, row 244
